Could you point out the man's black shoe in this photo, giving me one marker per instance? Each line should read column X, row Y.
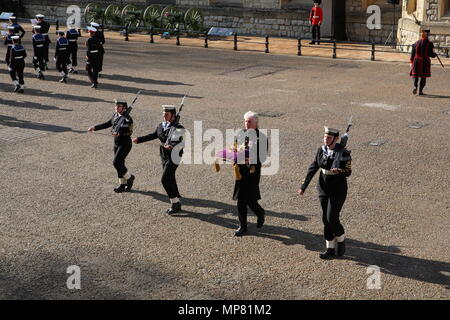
column 176, row 207
column 327, row 254
column 121, row 188
column 421, row 93
column 341, row 248
column 130, row 183
column 414, row 90
column 260, row 221
column 240, row 232
column 94, row 85
column 17, row 88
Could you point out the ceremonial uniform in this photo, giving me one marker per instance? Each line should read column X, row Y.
column 169, row 161
column 39, row 44
column 100, row 35
column 62, row 56
column 9, row 44
column 332, row 189
column 94, row 53
column 421, row 52
column 246, row 189
column 72, row 36
column 18, row 30
column 122, row 147
column 316, row 19
column 17, row 65
column 45, row 27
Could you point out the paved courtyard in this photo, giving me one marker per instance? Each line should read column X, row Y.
column 58, row 208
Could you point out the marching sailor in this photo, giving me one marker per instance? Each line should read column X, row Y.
column 246, row 188
column 62, row 55
column 39, row 43
column 334, row 163
column 122, row 131
column 17, row 64
column 93, row 54
column 45, row 27
column 421, row 52
column 100, row 35
column 72, row 36
column 170, row 151
column 9, row 43
column 18, row 30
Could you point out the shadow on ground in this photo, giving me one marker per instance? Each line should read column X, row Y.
column 388, row 258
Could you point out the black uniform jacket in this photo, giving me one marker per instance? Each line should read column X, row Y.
column 39, row 42
column 162, row 135
column 328, row 183
column 18, row 55
column 248, row 186
column 94, row 49
column 72, row 35
column 62, row 47
column 125, row 131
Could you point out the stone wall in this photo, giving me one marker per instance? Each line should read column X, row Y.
column 255, row 17
column 428, row 16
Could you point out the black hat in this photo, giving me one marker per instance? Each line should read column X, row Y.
column 332, row 131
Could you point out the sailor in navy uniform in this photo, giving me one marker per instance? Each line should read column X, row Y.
column 62, row 55
column 72, row 36
column 17, row 64
column 93, row 54
column 100, row 35
column 9, row 43
column 334, row 162
column 122, row 143
column 18, row 30
column 45, row 27
column 170, row 151
column 39, row 43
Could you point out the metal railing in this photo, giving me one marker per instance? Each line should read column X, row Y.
column 333, row 45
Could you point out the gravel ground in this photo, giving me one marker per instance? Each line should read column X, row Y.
column 58, row 208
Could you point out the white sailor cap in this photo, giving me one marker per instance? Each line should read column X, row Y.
column 91, row 29
column 169, row 108
column 12, row 17
column 331, row 131
column 60, row 31
column 120, row 101
column 95, row 24
column 36, row 27
column 11, row 27
column 40, row 16
column 15, row 37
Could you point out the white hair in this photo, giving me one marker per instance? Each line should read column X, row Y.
column 251, row 114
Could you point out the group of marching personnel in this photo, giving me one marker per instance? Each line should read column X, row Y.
column 332, row 159
column 66, row 51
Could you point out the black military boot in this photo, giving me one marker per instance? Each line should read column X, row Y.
column 130, row 183
column 240, row 232
column 329, row 254
column 121, row 188
column 175, row 208
column 341, row 248
column 260, row 221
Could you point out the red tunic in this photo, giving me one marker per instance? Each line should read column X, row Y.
column 421, row 52
column 316, row 16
